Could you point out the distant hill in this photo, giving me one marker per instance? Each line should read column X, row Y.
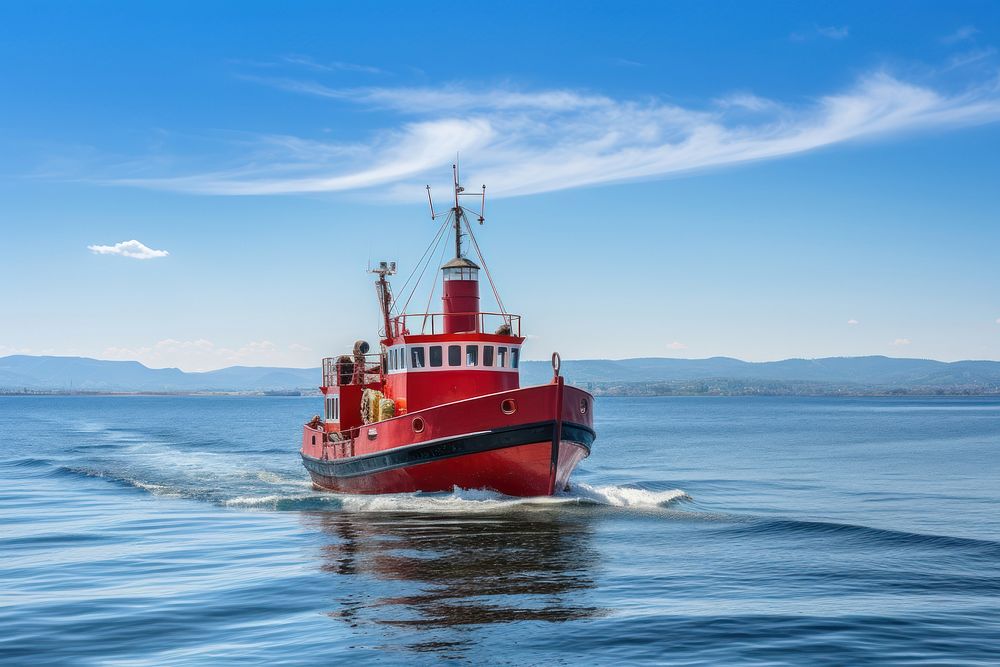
column 832, row 374
column 83, row 374
column 644, row 376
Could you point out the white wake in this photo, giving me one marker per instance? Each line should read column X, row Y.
column 463, row 501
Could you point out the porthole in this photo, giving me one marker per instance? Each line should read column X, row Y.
column 584, row 406
column 508, row 406
column 417, row 424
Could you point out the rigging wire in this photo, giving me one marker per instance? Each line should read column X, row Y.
column 430, row 296
column 489, row 277
column 429, row 254
column 430, row 248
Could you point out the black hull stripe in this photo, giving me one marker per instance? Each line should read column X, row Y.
column 402, row 457
column 582, row 435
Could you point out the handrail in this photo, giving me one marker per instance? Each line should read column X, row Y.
column 348, row 373
column 504, row 319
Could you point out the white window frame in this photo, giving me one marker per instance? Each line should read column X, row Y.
column 400, row 357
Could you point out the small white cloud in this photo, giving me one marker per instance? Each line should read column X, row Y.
column 132, row 249
column 833, row 31
column 964, row 33
column 853, row 322
column 295, row 347
column 828, row 31
column 902, row 341
column 998, row 320
column 677, row 345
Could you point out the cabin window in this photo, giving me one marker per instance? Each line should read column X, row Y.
column 454, row 355
column 436, row 355
column 417, row 357
column 471, row 355
column 336, row 408
column 487, row 355
column 461, row 273
column 501, row 357
column 514, row 354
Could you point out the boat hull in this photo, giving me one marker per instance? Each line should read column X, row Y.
column 531, row 452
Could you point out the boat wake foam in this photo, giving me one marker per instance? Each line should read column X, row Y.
column 627, row 496
column 465, row 500
column 201, row 476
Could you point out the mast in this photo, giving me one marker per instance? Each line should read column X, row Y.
column 460, row 275
column 458, row 212
column 384, row 293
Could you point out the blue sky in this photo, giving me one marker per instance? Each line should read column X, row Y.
column 758, row 180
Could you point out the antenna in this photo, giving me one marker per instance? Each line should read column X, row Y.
column 430, row 203
column 482, row 207
column 384, row 293
column 383, row 269
column 458, row 210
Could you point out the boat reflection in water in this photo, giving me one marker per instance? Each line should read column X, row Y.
column 436, row 577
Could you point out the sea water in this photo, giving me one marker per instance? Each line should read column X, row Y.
column 174, row 531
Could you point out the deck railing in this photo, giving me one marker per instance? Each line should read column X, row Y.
column 433, row 323
column 337, row 373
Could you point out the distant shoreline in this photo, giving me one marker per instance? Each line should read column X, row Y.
column 260, row 394
column 716, row 376
column 900, row 393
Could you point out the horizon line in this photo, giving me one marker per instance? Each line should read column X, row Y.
column 304, row 368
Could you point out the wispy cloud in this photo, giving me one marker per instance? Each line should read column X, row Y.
column 965, row 33
column 329, row 66
column 969, row 57
column 901, row 341
column 295, row 60
column 526, row 142
column 747, row 101
column 853, row 322
column 829, row 32
column 133, row 249
column 448, row 98
column 676, row 345
column 625, row 62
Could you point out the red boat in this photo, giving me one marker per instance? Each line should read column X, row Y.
column 440, row 406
